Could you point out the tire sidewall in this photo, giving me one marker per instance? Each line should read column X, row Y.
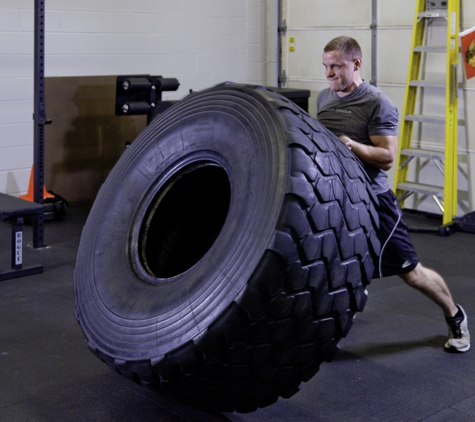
column 116, row 295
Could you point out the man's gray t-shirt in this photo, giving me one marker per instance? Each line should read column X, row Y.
column 365, row 112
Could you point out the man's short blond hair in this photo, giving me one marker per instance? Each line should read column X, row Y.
column 348, row 46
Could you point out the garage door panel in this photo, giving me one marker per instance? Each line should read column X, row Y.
column 396, row 13
column 305, row 63
column 468, row 13
column 393, row 57
column 319, row 13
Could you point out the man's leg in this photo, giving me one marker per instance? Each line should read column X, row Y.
column 433, row 286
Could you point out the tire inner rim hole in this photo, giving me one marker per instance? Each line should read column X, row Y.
column 184, row 220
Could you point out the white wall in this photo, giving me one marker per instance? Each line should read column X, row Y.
column 199, row 42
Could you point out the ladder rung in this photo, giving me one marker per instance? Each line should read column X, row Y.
column 425, row 119
column 421, row 188
column 430, row 49
column 431, row 15
column 426, row 84
column 425, row 153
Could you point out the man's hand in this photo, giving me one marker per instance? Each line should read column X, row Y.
column 347, row 141
column 381, row 154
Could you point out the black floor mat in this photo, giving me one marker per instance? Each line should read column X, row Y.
column 391, row 367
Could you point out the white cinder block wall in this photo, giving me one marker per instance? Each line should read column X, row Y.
column 199, row 42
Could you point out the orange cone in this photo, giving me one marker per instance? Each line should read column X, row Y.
column 30, row 196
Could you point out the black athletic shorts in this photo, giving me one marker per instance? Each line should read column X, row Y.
column 398, row 255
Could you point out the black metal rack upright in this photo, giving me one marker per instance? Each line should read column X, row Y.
column 39, row 119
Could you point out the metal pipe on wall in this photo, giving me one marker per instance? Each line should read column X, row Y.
column 374, row 43
column 280, row 81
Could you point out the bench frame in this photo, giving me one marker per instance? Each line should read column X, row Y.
column 13, row 211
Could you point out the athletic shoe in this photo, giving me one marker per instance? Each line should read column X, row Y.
column 459, row 337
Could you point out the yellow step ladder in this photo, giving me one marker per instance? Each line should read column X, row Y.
column 410, row 147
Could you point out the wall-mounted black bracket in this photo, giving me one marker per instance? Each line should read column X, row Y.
column 142, row 94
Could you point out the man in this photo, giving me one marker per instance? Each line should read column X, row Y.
column 365, row 120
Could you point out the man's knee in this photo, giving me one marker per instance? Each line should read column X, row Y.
column 413, row 277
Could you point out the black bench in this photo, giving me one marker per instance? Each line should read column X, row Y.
column 12, row 211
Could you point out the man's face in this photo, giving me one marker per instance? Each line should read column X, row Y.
column 340, row 72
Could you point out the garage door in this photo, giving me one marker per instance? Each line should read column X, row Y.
column 382, row 28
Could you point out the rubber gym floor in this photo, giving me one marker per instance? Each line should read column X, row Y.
column 391, row 366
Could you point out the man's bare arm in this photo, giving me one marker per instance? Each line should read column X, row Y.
column 381, row 154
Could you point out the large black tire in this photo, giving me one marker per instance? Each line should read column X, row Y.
column 227, row 252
